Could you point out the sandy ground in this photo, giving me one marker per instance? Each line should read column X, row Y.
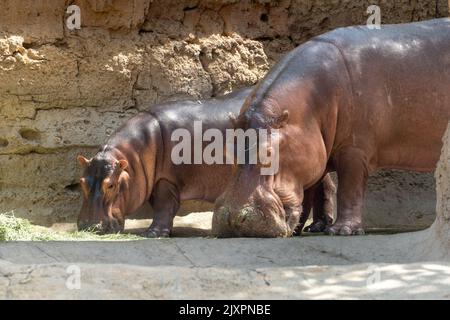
column 317, row 267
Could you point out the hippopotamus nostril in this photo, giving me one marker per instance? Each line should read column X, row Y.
column 245, row 214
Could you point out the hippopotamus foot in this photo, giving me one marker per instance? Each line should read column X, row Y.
column 165, row 201
column 317, row 226
column 298, row 230
column 345, row 228
column 154, row 232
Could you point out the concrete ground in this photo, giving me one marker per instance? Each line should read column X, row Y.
column 396, row 266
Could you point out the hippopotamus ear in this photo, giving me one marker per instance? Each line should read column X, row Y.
column 122, row 164
column 83, row 161
column 282, row 120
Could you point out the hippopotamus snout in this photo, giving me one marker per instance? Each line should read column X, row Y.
column 248, row 221
column 103, row 227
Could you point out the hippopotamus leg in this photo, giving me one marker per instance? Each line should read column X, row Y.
column 323, row 206
column 308, row 200
column 352, row 171
column 320, row 199
column 165, row 201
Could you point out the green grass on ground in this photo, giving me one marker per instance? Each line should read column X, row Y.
column 18, row 229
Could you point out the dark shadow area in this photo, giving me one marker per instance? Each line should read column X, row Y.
column 178, row 232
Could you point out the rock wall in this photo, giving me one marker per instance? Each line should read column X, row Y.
column 62, row 92
column 436, row 239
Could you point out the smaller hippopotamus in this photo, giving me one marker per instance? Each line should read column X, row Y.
column 135, row 166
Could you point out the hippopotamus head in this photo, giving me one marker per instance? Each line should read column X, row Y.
column 102, row 183
column 255, row 204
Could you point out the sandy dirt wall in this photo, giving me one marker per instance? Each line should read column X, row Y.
column 62, row 92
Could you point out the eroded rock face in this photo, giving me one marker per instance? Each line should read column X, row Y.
column 437, row 239
column 63, row 92
column 443, row 183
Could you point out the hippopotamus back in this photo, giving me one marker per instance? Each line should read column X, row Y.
column 397, row 74
column 212, row 113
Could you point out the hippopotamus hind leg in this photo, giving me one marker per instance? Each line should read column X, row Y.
column 352, row 174
column 323, row 206
column 308, row 200
column 319, row 198
column 165, row 201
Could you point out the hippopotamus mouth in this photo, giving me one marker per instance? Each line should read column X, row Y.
column 109, row 226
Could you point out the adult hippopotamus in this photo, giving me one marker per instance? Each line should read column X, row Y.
column 135, row 166
column 353, row 100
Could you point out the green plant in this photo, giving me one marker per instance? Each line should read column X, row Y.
column 13, row 228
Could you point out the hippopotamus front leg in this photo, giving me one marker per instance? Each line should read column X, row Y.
column 165, row 201
column 352, row 171
column 320, row 199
